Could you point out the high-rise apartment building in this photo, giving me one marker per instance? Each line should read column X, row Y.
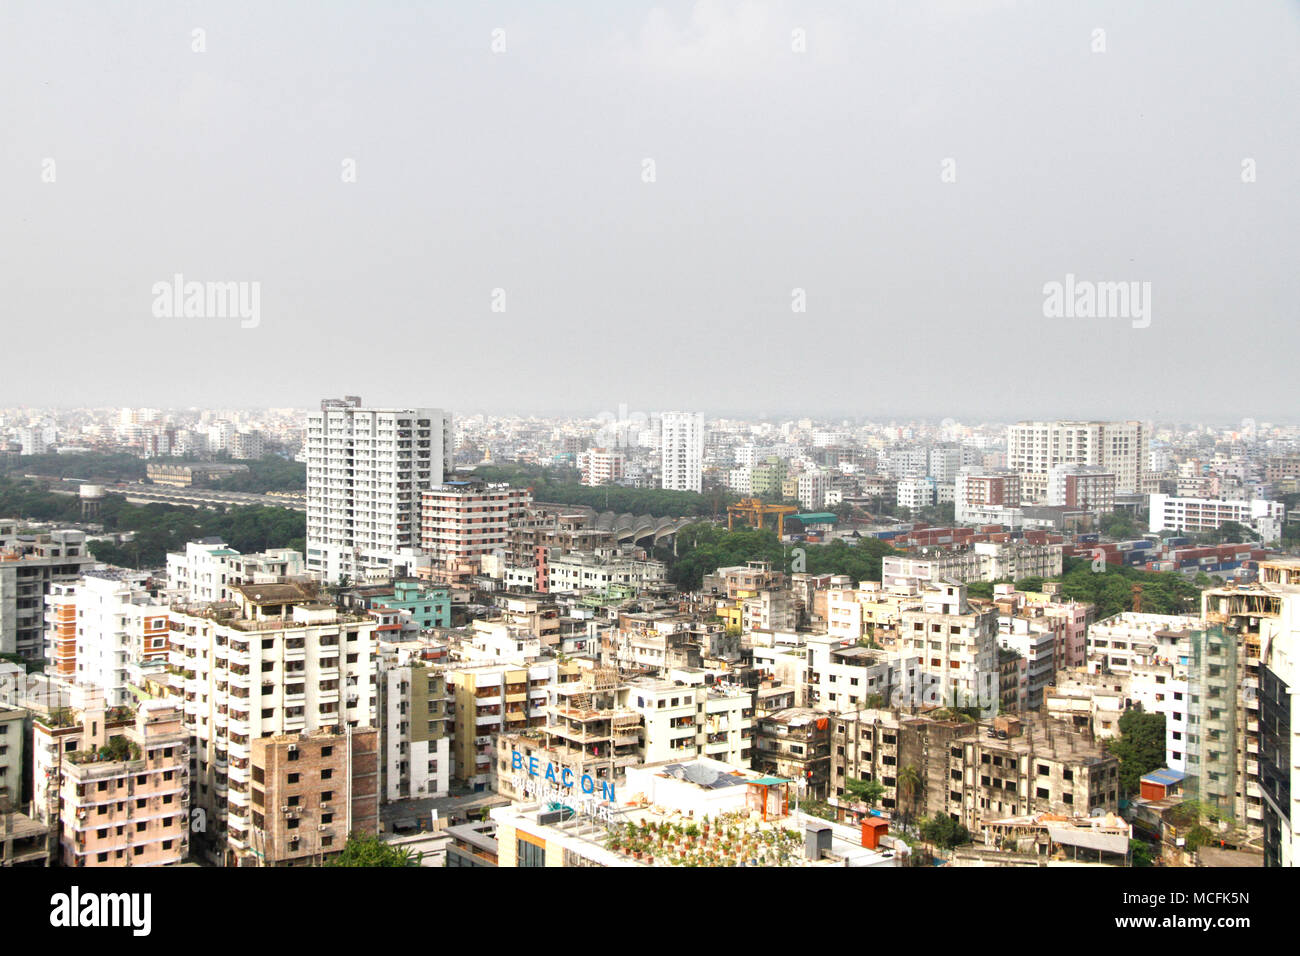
column 681, row 448
column 100, row 625
column 29, row 566
column 414, row 705
column 366, row 470
column 492, row 699
column 12, row 744
column 956, row 644
column 461, row 521
column 1242, row 730
column 280, row 661
column 600, row 466
column 1033, row 448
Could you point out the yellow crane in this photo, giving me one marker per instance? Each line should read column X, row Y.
column 752, row 511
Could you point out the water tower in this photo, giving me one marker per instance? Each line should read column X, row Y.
column 92, row 496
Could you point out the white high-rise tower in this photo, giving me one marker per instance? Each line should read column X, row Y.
column 366, row 470
column 682, row 450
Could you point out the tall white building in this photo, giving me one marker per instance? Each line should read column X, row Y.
column 115, row 622
column 812, row 488
column 682, row 450
column 366, row 471
column 956, row 643
column 1033, row 448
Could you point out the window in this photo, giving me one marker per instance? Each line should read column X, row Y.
column 529, row 854
column 293, row 755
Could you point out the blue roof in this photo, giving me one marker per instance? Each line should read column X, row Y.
column 1165, row 776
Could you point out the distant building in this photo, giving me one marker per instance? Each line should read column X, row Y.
column 682, row 450
column 1034, row 448
column 188, row 476
column 1081, row 487
column 982, row 561
column 600, row 466
column 1169, row 513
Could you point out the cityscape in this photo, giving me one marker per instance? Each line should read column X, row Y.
column 278, row 637
column 779, row 435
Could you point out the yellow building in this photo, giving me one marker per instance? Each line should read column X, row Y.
column 498, row 698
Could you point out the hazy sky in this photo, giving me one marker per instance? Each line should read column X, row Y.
column 523, row 169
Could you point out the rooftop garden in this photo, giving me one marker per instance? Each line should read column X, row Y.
column 730, row 839
column 117, row 749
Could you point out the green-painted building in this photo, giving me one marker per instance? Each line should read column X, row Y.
column 429, row 606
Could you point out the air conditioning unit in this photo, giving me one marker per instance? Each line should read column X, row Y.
column 285, row 809
column 323, row 827
column 293, row 748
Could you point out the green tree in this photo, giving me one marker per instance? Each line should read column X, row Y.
column 1140, row 747
column 908, row 784
column 371, row 851
column 864, row 791
column 944, row 831
column 1140, row 853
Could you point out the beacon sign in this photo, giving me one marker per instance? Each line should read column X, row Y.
column 558, row 784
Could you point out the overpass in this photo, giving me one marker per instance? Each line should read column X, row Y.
column 137, row 493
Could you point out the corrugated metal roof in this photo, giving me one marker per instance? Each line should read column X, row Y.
column 1165, row 777
column 1089, row 840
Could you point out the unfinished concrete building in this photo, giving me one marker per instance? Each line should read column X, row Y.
column 1013, row 766
column 590, row 719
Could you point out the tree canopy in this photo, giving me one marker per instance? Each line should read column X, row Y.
column 158, row 527
column 704, row 547
column 372, row 851
column 1140, row 747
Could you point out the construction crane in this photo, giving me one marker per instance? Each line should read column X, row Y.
column 752, row 511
